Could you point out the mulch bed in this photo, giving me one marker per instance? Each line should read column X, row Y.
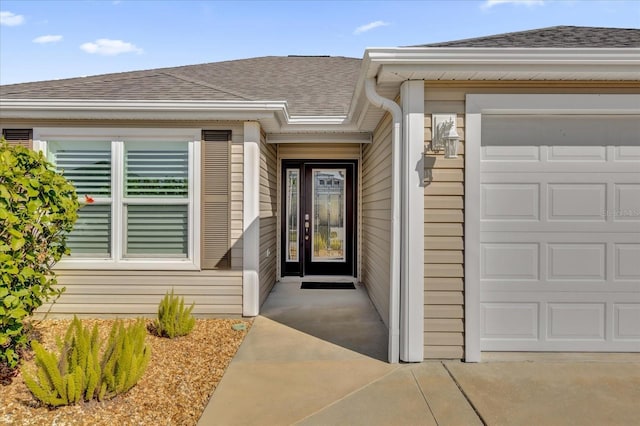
column 180, row 379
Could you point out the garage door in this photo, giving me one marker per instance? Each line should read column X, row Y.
column 560, row 233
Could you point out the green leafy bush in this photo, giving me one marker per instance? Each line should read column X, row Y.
column 38, row 207
column 173, row 318
column 78, row 372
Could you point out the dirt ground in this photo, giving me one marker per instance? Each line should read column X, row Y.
column 182, row 375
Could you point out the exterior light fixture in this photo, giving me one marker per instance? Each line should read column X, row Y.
column 445, row 137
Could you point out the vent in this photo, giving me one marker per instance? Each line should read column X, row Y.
column 18, row 137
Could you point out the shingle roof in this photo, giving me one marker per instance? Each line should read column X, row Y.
column 560, row 36
column 311, row 85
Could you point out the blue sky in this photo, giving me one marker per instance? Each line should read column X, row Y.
column 44, row 40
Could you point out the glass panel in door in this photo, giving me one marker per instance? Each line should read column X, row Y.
column 328, row 236
column 292, row 214
column 291, row 235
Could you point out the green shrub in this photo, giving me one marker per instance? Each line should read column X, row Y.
column 38, row 207
column 173, row 318
column 78, row 373
column 125, row 359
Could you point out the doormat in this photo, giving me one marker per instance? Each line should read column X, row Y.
column 313, row 285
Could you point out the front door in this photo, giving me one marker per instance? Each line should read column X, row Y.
column 318, row 218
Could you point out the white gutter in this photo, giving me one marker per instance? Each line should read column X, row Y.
column 123, row 105
column 394, row 292
column 274, row 115
column 454, row 56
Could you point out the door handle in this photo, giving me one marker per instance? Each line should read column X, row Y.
column 306, row 227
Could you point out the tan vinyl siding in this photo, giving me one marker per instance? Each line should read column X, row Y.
column 137, row 293
column 268, row 217
column 105, row 293
column 376, row 217
column 444, row 206
column 444, row 243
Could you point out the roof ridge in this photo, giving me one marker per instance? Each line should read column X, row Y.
column 209, row 85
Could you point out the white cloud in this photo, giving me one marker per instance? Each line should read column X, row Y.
column 47, row 39
column 490, row 3
column 107, row 47
column 370, row 26
column 10, row 19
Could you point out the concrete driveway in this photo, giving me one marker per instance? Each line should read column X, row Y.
column 553, row 389
column 316, row 358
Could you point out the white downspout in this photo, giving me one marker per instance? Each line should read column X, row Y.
column 394, row 293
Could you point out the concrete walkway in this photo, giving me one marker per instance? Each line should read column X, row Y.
column 313, row 375
column 281, row 376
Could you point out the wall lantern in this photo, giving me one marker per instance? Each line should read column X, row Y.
column 445, row 137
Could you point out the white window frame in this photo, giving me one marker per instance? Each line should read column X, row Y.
column 478, row 105
column 118, row 137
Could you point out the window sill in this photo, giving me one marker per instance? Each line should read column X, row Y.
column 127, row 265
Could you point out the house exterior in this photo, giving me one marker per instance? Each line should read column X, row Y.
column 221, row 179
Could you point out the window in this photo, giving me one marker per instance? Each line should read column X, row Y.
column 156, row 199
column 142, row 181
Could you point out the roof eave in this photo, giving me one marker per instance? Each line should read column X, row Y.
column 274, row 115
column 392, row 66
column 455, row 59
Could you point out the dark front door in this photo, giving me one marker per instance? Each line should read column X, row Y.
column 318, row 218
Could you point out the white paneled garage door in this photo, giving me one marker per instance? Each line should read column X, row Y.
column 560, row 233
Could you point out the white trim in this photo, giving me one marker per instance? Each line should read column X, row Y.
column 117, row 138
column 127, row 264
column 392, row 66
column 553, row 104
column 195, row 192
column 118, row 235
column 541, row 60
column 476, row 106
column 101, row 105
column 412, row 254
column 473, row 126
column 273, row 115
column 351, row 137
column 110, row 134
column 251, row 221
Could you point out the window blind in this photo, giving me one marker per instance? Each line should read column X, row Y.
column 157, row 230
column 157, row 173
column 91, row 235
column 88, row 170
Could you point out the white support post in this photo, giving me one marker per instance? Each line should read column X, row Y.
column 251, row 221
column 412, row 246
